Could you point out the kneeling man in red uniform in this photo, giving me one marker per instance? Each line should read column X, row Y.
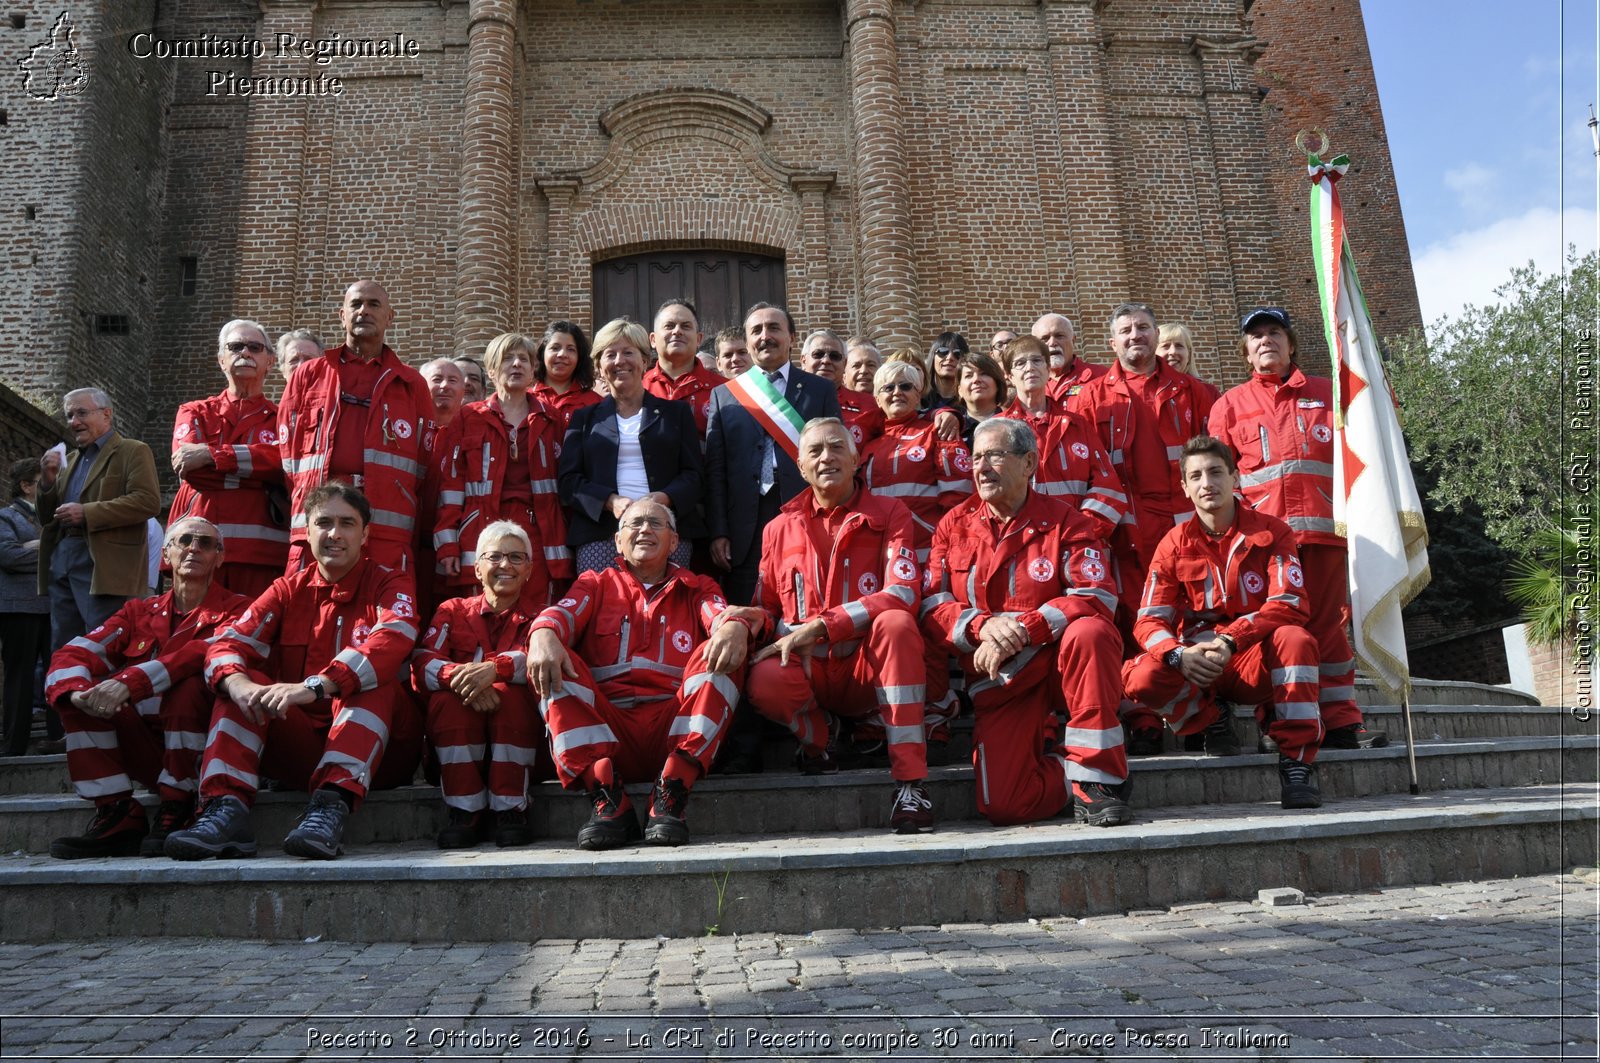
column 1223, row 615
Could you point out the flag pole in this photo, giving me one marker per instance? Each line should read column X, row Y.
column 1411, row 745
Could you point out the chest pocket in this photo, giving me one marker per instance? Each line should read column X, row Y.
column 142, row 649
column 1198, row 577
column 293, row 649
column 965, row 579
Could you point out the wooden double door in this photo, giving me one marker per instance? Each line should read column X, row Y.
column 720, row 284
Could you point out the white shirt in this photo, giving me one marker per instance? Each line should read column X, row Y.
column 631, row 479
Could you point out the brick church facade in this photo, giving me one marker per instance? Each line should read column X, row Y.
column 887, row 167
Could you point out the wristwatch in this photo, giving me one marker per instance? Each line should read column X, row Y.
column 1227, row 640
column 317, row 685
column 1173, row 658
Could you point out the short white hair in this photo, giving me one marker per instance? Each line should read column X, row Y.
column 505, row 529
column 261, row 330
column 98, row 397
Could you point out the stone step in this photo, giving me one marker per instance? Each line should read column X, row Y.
column 790, row 804
column 964, row 872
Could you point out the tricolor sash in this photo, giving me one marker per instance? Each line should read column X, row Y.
column 752, row 390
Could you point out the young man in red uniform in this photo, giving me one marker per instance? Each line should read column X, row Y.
column 310, row 687
column 678, row 373
column 1280, row 426
column 134, row 704
column 673, row 663
column 225, row 452
column 1019, row 586
column 839, row 577
column 1223, row 615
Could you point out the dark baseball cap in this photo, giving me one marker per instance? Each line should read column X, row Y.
column 1271, row 313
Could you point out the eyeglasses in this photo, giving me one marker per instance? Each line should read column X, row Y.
column 830, row 356
column 642, row 523
column 77, row 414
column 994, row 457
column 899, row 385
column 202, row 542
column 516, row 557
column 238, row 346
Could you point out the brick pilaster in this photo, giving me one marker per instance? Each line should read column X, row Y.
column 486, row 263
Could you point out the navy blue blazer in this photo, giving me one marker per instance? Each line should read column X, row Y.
column 733, row 459
column 588, row 472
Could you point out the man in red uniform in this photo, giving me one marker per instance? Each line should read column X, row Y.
column 225, row 452
column 472, row 668
column 674, row 658
column 1019, row 586
column 1280, row 426
column 134, row 703
column 678, row 373
column 361, row 415
column 1223, row 615
column 309, row 679
column 1068, row 372
column 849, row 642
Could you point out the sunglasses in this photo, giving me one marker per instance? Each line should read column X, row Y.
column 902, row 385
column 204, row 542
column 239, row 346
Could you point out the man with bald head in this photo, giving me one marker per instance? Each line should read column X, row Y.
column 1068, row 372
column 361, row 415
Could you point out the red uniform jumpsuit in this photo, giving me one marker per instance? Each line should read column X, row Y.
column 242, row 435
column 464, row 631
column 1064, row 387
column 157, row 737
column 1247, row 585
column 861, row 414
column 387, row 452
column 854, row 567
column 642, row 693
column 1074, row 467
column 493, row 473
column 694, row 387
column 359, row 632
column 566, row 403
column 1047, row 568
column 1282, row 431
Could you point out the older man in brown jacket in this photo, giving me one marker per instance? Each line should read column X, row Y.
column 92, row 556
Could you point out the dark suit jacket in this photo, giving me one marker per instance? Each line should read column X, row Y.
column 671, row 445
column 119, row 496
column 733, row 459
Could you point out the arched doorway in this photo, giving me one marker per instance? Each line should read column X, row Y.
column 721, row 284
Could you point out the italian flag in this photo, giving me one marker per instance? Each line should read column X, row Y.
column 771, row 410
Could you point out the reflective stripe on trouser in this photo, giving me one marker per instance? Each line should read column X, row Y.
column 1279, row 672
column 106, row 757
column 509, row 737
column 584, row 726
column 940, row 705
column 1017, row 781
column 303, row 749
column 1328, row 592
column 884, row 679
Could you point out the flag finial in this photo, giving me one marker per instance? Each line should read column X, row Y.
column 1302, row 141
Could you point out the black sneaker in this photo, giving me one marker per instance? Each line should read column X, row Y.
column 821, row 763
column 912, row 811
column 1298, row 783
column 1144, row 742
column 171, row 816
column 463, row 831
column 1220, row 739
column 1101, row 804
column 116, row 830
column 320, row 835
column 613, row 822
column 1354, row 736
column 511, row 828
column 222, row 830
column 667, row 824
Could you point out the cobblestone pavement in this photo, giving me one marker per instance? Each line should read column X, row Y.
column 1505, row 969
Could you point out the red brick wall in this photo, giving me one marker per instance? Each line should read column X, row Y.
column 1557, row 680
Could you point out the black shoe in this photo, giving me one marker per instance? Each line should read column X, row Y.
column 860, row 753
column 823, row 763
column 464, row 830
column 222, row 829
column 1101, row 804
column 1298, row 783
column 912, row 811
column 939, row 753
column 1195, row 743
column 320, row 834
column 1220, row 739
column 171, row 816
column 741, row 762
column 116, row 830
column 511, row 828
column 1144, row 742
column 1354, row 736
column 667, row 824
column 613, row 822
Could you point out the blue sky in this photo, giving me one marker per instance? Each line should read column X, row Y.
column 1486, row 106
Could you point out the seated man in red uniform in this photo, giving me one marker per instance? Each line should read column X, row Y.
column 1223, row 615
column 674, row 657
column 135, row 705
column 311, row 691
column 1019, row 586
column 849, row 642
column 472, row 668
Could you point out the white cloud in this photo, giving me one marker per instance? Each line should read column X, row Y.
column 1465, row 268
column 1473, row 185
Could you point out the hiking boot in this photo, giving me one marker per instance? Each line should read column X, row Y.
column 463, row 831
column 1220, row 738
column 1354, row 736
column 1101, row 804
column 511, row 828
column 667, row 825
column 171, row 816
column 613, row 822
column 912, row 811
column 222, row 829
column 1298, row 783
column 820, row 763
column 116, row 830
column 1144, row 742
column 320, row 835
